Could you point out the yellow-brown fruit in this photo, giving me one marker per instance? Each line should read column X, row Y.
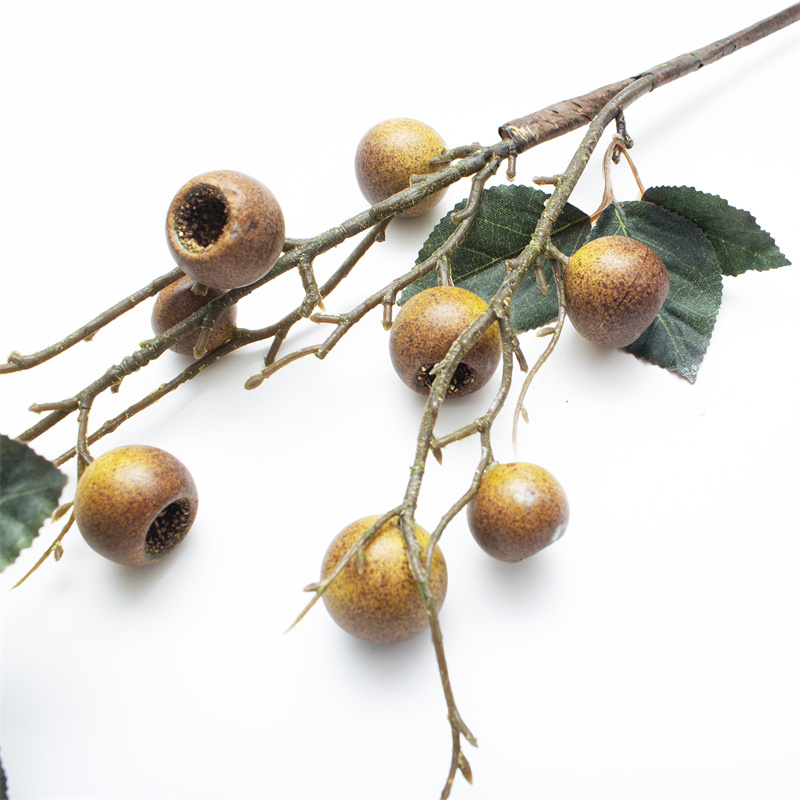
column 380, row 603
column 615, row 287
column 519, row 509
column 391, row 152
column 225, row 229
column 135, row 503
column 426, row 327
column 176, row 302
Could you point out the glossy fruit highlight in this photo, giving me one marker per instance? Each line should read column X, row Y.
column 381, row 603
column 391, row 152
column 615, row 286
column 426, row 327
column 135, row 504
column 519, row 509
column 225, row 229
column 176, row 302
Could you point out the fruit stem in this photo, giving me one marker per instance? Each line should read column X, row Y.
column 519, row 410
column 82, row 446
column 483, row 426
column 618, row 145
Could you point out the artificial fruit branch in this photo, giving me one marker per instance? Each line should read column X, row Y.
column 598, row 109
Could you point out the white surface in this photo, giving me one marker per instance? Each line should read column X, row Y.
column 652, row 653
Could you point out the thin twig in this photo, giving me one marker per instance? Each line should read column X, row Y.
column 555, row 335
column 482, row 425
column 18, row 362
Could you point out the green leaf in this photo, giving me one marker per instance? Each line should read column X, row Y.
column 501, row 230
column 738, row 241
column 679, row 336
column 3, row 784
column 29, row 490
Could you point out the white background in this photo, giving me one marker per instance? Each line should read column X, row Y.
column 651, row 653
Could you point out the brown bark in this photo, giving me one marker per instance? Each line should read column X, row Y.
column 567, row 115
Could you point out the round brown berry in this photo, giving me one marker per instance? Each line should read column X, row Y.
column 519, row 509
column 176, row 302
column 134, row 504
column 391, row 152
column 614, row 286
column 379, row 601
column 225, row 229
column 426, row 327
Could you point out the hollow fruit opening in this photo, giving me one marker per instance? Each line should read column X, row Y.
column 201, row 218
column 167, row 529
column 462, row 377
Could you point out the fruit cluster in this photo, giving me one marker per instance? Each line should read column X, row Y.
column 135, row 504
column 226, row 230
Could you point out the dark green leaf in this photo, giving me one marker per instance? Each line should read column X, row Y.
column 678, row 338
column 503, row 227
column 29, row 490
column 738, row 241
column 3, row 784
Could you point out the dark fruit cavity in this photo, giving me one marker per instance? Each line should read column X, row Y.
column 135, row 504
column 425, row 329
column 225, row 229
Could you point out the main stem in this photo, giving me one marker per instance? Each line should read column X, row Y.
column 614, row 100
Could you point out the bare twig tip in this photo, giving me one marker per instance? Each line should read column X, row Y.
column 254, row 381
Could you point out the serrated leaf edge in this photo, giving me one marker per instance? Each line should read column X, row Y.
column 36, row 536
column 730, row 205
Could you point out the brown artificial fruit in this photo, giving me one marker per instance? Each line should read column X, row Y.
column 426, row 327
column 614, row 286
column 519, row 509
column 378, row 600
column 225, row 229
column 391, row 152
column 134, row 504
column 176, row 302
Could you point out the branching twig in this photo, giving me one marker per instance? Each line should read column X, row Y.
column 532, row 256
column 278, row 332
column 386, row 295
column 17, row 361
column 483, row 426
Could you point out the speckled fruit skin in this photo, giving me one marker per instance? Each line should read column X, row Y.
column 426, row 327
column 382, row 604
column 120, row 495
column 391, row 152
column 225, row 229
column 519, row 509
column 615, row 286
column 176, row 302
